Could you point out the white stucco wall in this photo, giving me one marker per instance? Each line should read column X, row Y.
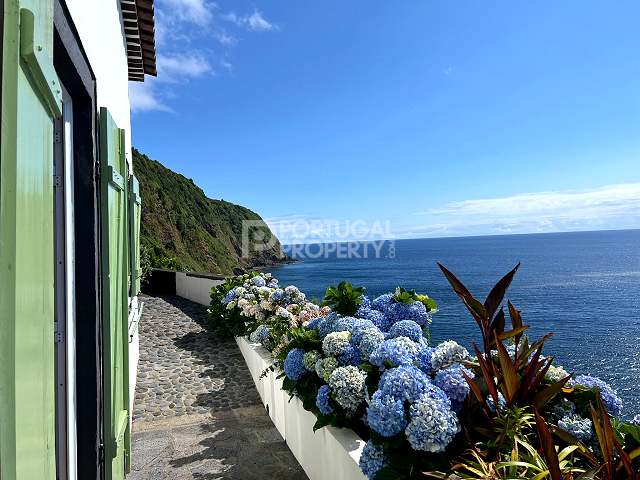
column 102, row 36
column 196, row 289
column 327, row 454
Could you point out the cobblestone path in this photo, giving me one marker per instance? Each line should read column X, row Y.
column 197, row 414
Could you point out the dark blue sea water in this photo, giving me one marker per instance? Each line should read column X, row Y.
column 583, row 286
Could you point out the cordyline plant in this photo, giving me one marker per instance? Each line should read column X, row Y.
column 519, row 377
column 517, row 381
column 616, row 451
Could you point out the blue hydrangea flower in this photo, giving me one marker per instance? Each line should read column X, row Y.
column 277, row 295
column 406, row 328
column 273, row 283
column 322, row 400
column 403, row 383
column 345, row 323
column 423, row 359
column 377, row 317
column 636, row 420
column 610, row 398
column 372, row 459
column 453, row 383
column 370, row 339
column 366, row 303
column 395, row 351
column 382, row 302
column 562, row 409
column 385, row 414
column 231, row 295
column 348, row 386
column 358, row 326
column 415, row 311
column 433, row 424
column 258, row 281
column 448, row 353
column 579, row 427
column 351, row 356
column 313, row 323
column 294, row 364
column 336, row 343
column 327, row 325
column 502, row 403
column 260, row 335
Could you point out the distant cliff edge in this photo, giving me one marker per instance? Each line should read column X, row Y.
column 182, row 229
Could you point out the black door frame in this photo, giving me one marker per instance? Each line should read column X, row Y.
column 73, row 68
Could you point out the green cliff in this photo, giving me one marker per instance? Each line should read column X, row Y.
column 182, row 229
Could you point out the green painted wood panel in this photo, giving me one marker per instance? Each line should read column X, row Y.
column 135, row 209
column 29, row 105
column 115, row 279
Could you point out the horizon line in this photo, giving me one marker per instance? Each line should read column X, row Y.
column 463, row 236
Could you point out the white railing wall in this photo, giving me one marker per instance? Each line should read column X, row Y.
column 196, row 289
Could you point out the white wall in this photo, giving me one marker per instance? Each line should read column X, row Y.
column 327, row 454
column 100, row 28
column 196, row 289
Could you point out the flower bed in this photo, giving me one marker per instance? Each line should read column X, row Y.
column 431, row 411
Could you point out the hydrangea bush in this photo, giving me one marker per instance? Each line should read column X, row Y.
column 367, row 364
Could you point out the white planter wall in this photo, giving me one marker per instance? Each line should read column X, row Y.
column 327, row 454
column 196, row 289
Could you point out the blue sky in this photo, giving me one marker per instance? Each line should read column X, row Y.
column 436, row 118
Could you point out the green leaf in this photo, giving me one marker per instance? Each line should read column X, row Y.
column 321, row 422
column 344, row 298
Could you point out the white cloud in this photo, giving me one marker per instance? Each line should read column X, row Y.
column 174, row 68
column 184, row 32
column 144, row 97
column 607, row 199
column 199, row 12
column 611, row 206
column 225, row 39
column 254, row 22
column 151, row 95
column 228, row 66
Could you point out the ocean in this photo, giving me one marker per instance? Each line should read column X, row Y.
column 584, row 287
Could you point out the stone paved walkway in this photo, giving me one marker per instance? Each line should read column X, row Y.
column 197, row 414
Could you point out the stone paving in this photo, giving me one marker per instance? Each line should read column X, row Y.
column 197, row 414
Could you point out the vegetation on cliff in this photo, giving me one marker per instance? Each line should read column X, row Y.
column 182, row 229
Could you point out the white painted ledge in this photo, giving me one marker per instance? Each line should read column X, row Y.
column 327, row 454
column 196, row 289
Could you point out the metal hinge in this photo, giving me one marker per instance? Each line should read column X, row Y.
column 57, row 181
column 57, row 334
column 101, row 453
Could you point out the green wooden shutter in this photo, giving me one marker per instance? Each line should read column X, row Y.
column 31, row 99
column 134, row 234
column 115, row 277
